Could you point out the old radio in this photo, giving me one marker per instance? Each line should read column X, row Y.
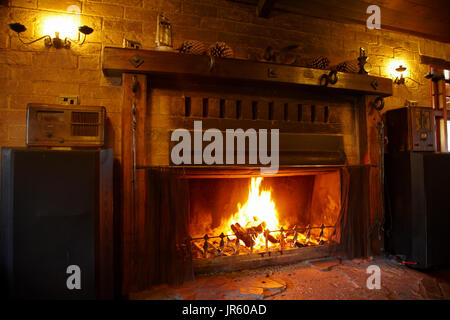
column 410, row 129
column 74, row 126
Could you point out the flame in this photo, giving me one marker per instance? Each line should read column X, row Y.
column 259, row 207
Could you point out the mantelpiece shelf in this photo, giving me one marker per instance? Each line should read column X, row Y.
column 119, row 60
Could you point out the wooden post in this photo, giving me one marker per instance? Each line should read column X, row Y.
column 372, row 156
column 134, row 109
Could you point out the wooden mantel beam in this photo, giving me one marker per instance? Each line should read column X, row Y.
column 264, row 7
column 117, row 61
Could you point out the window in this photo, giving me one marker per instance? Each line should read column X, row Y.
column 440, row 95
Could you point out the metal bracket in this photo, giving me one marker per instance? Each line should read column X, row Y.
column 379, row 103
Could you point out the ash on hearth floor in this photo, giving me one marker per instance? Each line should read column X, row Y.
column 311, row 280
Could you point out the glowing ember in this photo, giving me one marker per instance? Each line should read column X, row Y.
column 258, row 208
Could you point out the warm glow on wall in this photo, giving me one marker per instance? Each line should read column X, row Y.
column 398, row 70
column 67, row 26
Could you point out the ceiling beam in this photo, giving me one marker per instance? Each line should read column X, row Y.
column 264, row 7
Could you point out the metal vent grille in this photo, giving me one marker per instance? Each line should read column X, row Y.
column 85, row 124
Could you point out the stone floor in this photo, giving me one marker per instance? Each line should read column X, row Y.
column 312, row 280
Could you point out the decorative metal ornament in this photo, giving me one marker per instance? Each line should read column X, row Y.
column 163, row 34
column 362, row 60
column 136, row 61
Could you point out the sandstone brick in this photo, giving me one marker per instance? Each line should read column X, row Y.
column 131, row 3
column 238, row 13
column 8, row 86
column 195, row 33
column 113, row 93
column 4, row 41
column 122, row 25
column 133, row 13
column 380, row 51
column 60, row 5
column 4, row 101
column 400, row 53
column 91, row 62
column 167, row 6
column 16, row 57
column 368, row 37
column 88, row 48
column 50, row 88
column 63, row 59
column 112, row 37
column 13, row 116
column 103, row 10
column 89, row 76
column 199, row 9
column 393, row 42
column 184, row 20
column 23, row 3
column 3, row 134
column 17, row 132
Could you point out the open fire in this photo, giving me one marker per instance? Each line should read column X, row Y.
column 256, row 227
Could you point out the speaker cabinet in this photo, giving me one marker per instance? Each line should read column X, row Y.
column 410, row 129
column 417, row 190
column 57, row 224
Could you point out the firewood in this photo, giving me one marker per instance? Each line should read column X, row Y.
column 256, row 227
column 272, row 239
column 242, row 234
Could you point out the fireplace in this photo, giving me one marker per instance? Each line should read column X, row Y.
column 180, row 220
column 250, row 222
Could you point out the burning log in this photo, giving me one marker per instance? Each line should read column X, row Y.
column 256, row 227
column 272, row 239
column 250, row 232
column 242, row 234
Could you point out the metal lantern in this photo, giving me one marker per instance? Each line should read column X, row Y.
column 163, row 34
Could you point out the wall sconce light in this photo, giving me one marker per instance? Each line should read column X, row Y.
column 400, row 79
column 398, row 71
column 56, row 41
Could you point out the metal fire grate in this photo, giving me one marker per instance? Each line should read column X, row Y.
column 232, row 241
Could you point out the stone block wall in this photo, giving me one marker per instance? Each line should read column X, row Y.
column 36, row 74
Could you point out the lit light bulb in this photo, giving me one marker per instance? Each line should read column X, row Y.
column 393, row 69
column 61, row 27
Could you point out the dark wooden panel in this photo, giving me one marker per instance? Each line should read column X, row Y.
column 264, row 7
column 435, row 62
column 424, row 18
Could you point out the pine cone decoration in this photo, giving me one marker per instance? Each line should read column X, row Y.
column 348, row 66
column 221, row 50
column 319, row 62
column 192, row 47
